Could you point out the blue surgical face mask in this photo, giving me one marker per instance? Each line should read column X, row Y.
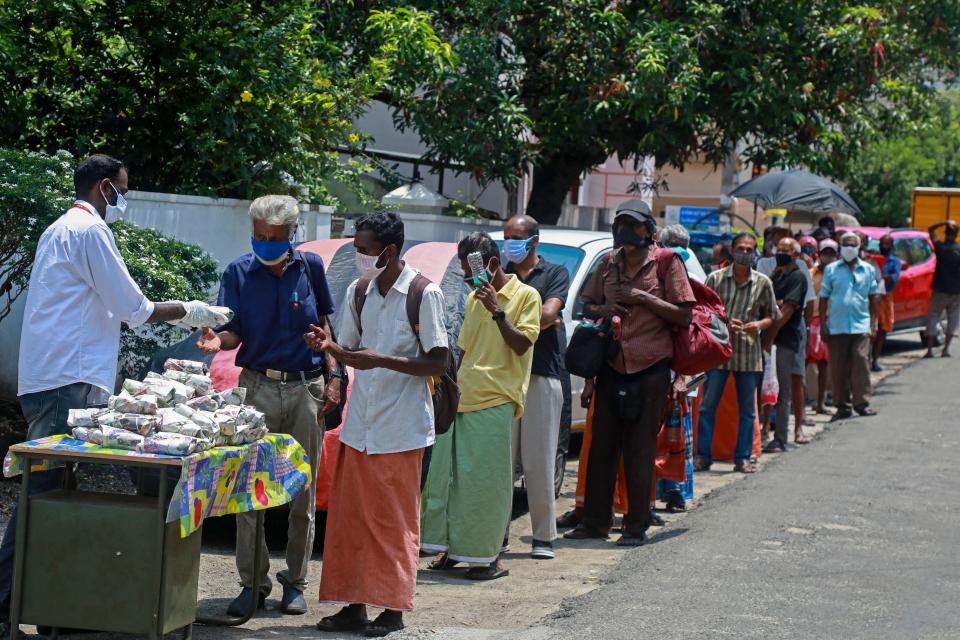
column 270, row 252
column 517, row 250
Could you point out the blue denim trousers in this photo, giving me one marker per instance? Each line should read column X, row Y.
column 46, row 414
column 747, row 383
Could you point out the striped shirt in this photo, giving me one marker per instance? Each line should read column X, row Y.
column 749, row 302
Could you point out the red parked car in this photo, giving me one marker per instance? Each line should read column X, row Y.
column 911, row 298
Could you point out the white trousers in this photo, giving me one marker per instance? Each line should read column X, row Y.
column 535, row 438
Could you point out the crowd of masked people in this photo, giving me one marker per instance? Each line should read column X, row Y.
column 434, row 431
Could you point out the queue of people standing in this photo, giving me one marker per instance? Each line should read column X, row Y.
column 403, row 483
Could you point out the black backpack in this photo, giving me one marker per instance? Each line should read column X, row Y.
column 443, row 388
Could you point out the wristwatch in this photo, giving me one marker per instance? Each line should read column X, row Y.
column 499, row 315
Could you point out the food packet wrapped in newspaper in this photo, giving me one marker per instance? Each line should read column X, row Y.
column 201, row 383
column 119, row 439
column 254, row 418
column 88, row 434
column 145, row 404
column 170, row 444
column 171, row 420
column 186, row 366
column 108, row 419
column 206, row 420
column 168, row 392
column 245, row 434
column 232, row 397
column 138, row 423
column 84, row 417
column 226, row 423
column 204, row 403
column 133, row 387
column 174, row 422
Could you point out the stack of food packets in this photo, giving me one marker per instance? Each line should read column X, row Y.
column 177, row 413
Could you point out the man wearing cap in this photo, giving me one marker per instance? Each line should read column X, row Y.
column 848, row 299
column 633, row 385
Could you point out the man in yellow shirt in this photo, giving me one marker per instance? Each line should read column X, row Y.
column 467, row 499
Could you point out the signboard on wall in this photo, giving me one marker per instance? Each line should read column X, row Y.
column 709, row 218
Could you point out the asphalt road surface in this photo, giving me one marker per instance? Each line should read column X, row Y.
column 854, row 536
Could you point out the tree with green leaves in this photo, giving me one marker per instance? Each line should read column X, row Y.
column 224, row 97
column 883, row 173
column 564, row 85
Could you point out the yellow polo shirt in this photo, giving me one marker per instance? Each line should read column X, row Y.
column 491, row 373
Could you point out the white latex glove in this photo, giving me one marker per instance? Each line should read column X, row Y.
column 200, row 314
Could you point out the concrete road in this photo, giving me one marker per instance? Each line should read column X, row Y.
column 854, row 536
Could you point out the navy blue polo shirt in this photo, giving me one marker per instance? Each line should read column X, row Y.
column 272, row 314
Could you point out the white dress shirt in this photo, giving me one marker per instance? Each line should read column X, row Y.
column 390, row 411
column 80, row 291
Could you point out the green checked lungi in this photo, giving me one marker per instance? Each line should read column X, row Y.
column 467, row 500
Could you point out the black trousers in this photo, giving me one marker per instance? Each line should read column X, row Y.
column 634, row 437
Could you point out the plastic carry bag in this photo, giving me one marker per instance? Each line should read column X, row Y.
column 771, row 386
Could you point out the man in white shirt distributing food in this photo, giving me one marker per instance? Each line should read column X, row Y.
column 80, row 291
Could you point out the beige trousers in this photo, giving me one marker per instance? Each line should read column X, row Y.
column 535, row 438
column 289, row 408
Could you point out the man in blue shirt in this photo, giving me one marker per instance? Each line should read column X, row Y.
column 885, row 316
column 276, row 293
column 848, row 299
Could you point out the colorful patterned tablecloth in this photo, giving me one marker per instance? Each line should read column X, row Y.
column 220, row 481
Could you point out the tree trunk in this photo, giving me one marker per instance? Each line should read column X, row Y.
column 552, row 180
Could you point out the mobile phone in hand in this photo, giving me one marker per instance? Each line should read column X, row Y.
column 478, row 272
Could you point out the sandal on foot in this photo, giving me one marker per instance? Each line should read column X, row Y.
column 774, row 446
column 656, row 520
column 583, row 532
column 675, row 503
column 745, row 467
column 701, row 465
column 568, row 520
column 801, row 438
column 443, row 563
column 383, row 625
column 490, row 572
column 343, row 622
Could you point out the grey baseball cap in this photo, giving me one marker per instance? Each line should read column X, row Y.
column 636, row 209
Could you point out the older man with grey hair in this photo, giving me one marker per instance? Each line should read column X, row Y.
column 676, row 237
column 277, row 294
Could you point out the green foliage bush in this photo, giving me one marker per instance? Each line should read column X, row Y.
column 35, row 189
column 882, row 176
column 227, row 98
column 165, row 269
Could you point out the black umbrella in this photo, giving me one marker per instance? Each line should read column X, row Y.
column 796, row 191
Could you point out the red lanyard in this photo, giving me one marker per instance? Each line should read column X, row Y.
column 80, row 205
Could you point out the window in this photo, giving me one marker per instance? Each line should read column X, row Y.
column 912, row 251
column 578, row 303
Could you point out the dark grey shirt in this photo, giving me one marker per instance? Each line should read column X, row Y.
column 551, row 281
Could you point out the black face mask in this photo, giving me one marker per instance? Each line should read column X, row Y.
column 884, row 251
column 783, row 259
column 625, row 235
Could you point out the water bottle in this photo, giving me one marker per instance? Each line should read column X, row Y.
column 674, row 431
